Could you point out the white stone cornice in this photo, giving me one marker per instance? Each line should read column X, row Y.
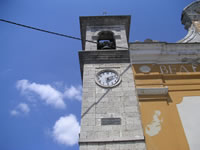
column 152, row 91
column 166, row 54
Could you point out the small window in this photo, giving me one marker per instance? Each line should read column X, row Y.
column 106, row 40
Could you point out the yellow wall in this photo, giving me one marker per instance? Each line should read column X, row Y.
column 161, row 122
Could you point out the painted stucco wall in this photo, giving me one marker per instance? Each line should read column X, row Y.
column 164, row 115
column 190, row 117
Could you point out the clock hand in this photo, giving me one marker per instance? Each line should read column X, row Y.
column 109, row 78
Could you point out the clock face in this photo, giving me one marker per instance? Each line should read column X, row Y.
column 107, row 78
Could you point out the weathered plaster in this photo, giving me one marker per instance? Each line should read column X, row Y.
column 154, row 127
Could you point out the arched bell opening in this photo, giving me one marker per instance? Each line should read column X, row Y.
column 106, row 40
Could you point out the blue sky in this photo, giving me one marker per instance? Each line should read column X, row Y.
column 40, row 96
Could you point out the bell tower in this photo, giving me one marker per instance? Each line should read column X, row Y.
column 110, row 118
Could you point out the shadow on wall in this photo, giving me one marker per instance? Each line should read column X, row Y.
column 107, row 91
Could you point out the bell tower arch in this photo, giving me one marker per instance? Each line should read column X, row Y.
column 108, row 28
column 106, row 40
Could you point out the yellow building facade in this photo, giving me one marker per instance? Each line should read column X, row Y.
column 159, row 93
column 167, row 79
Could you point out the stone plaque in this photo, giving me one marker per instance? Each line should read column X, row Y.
column 111, row 121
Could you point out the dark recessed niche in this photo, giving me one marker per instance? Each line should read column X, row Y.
column 106, row 40
column 111, row 121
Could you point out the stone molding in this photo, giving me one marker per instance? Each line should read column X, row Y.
column 103, row 56
column 152, row 91
column 136, row 139
column 164, row 53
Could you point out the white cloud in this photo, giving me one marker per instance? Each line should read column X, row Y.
column 66, row 130
column 22, row 108
column 14, row 112
column 58, row 84
column 73, row 93
column 50, row 95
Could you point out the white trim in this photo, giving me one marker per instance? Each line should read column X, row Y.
column 152, row 91
column 148, row 56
